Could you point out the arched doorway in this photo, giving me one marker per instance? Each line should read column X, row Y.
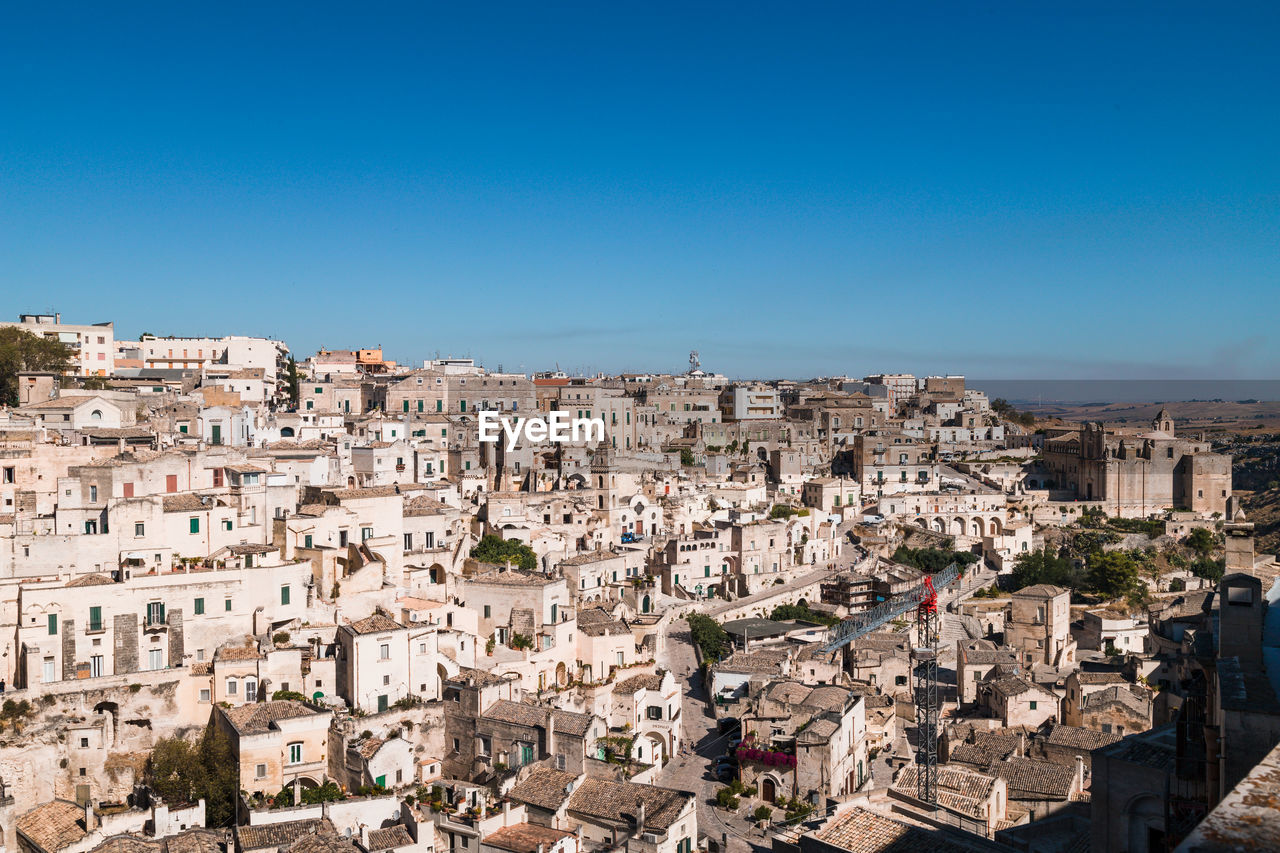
column 644, row 604
column 562, row 675
column 768, row 789
column 286, row 432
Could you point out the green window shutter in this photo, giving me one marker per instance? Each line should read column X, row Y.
column 182, row 428
column 228, row 605
column 463, row 405
column 406, row 405
column 381, row 781
column 306, row 543
column 382, row 702
column 53, row 623
column 195, row 525
column 439, row 405
column 199, row 607
column 284, row 594
column 419, row 405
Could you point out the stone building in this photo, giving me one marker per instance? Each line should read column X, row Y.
column 1038, row 625
column 1134, row 475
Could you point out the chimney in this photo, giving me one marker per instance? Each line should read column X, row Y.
column 364, row 836
column 640, row 818
column 90, row 818
column 551, row 733
column 1080, row 772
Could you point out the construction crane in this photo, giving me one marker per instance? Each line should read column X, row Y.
column 923, row 599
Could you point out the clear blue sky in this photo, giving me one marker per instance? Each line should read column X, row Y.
column 1006, row 190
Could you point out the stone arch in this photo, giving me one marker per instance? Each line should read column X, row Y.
column 658, row 752
column 1143, row 814
column 920, row 522
column 286, row 432
column 957, row 525
column 976, row 527
column 562, row 675
column 940, row 524
column 995, row 527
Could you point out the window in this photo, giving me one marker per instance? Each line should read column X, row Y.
column 48, row 676
column 251, row 690
column 386, row 681
column 284, row 594
column 227, row 605
column 10, row 476
column 295, row 753
column 1033, row 704
column 366, row 533
column 654, row 712
column 408, row 541
column 155, row 613
column 53, row 623
column 232, row 687
column 205, row 696
column 139, row 529
column 93, row 494
column 382, row 703
column 171, row 481
column 95, row 666
column 486, row 611
column 226, row 524
column 260, row 771
column 384, row 651
column 155, row 659
column 195, row 525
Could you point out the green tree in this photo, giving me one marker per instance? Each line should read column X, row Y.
column 1209, row 568
column 495, row 549
column 292, row 377
column 1035, row 567
column 709, row 637
column 1112, row 573
column 181, row 771
column 1201, row 541
column 932, row 559
column 686, row 457
column 20, row 350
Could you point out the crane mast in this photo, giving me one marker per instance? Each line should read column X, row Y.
column 923, row 599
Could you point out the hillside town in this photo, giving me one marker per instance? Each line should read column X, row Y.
column 259, row 601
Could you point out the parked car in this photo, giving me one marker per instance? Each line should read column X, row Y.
column 727, row 724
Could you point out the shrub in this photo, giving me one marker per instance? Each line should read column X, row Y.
column 762, row 813
column 726, row 799
column 280, row 638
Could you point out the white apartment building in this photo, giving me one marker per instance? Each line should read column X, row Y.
column 93, row 346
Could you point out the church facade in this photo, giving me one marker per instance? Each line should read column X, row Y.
column 1136, row 474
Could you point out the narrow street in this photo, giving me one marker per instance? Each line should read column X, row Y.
column 693, row 771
